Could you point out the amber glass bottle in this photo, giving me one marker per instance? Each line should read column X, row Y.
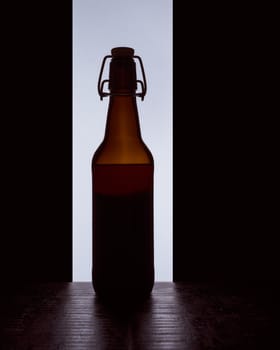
column 122, row 179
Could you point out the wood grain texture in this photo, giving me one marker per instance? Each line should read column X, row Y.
column 176, row 316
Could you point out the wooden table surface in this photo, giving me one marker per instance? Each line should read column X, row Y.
column 177, row 316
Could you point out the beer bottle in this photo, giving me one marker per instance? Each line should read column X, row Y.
column 122, row 185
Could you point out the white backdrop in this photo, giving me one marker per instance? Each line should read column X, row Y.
column 98, row 26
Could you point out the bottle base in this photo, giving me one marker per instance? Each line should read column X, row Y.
column 122, row 296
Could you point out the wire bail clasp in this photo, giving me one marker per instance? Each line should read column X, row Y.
column 101, row 82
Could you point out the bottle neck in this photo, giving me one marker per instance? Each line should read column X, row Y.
column 122, row 120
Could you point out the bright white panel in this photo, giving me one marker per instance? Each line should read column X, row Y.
column 98, row 26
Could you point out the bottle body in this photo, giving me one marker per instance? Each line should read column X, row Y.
column 123, row 258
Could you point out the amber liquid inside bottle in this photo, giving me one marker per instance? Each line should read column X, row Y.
column 122, row 174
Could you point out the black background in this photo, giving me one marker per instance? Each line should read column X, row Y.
column 225, row 155
column 36, row 141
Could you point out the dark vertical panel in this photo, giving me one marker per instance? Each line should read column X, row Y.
column 225, row 182
column 36, row 178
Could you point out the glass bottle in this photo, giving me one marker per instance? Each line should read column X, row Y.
column 122, row 184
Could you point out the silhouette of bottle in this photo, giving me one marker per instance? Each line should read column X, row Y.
column 122, row 183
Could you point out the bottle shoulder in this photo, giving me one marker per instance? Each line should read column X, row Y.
column 135, row 152
column 148, row 151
